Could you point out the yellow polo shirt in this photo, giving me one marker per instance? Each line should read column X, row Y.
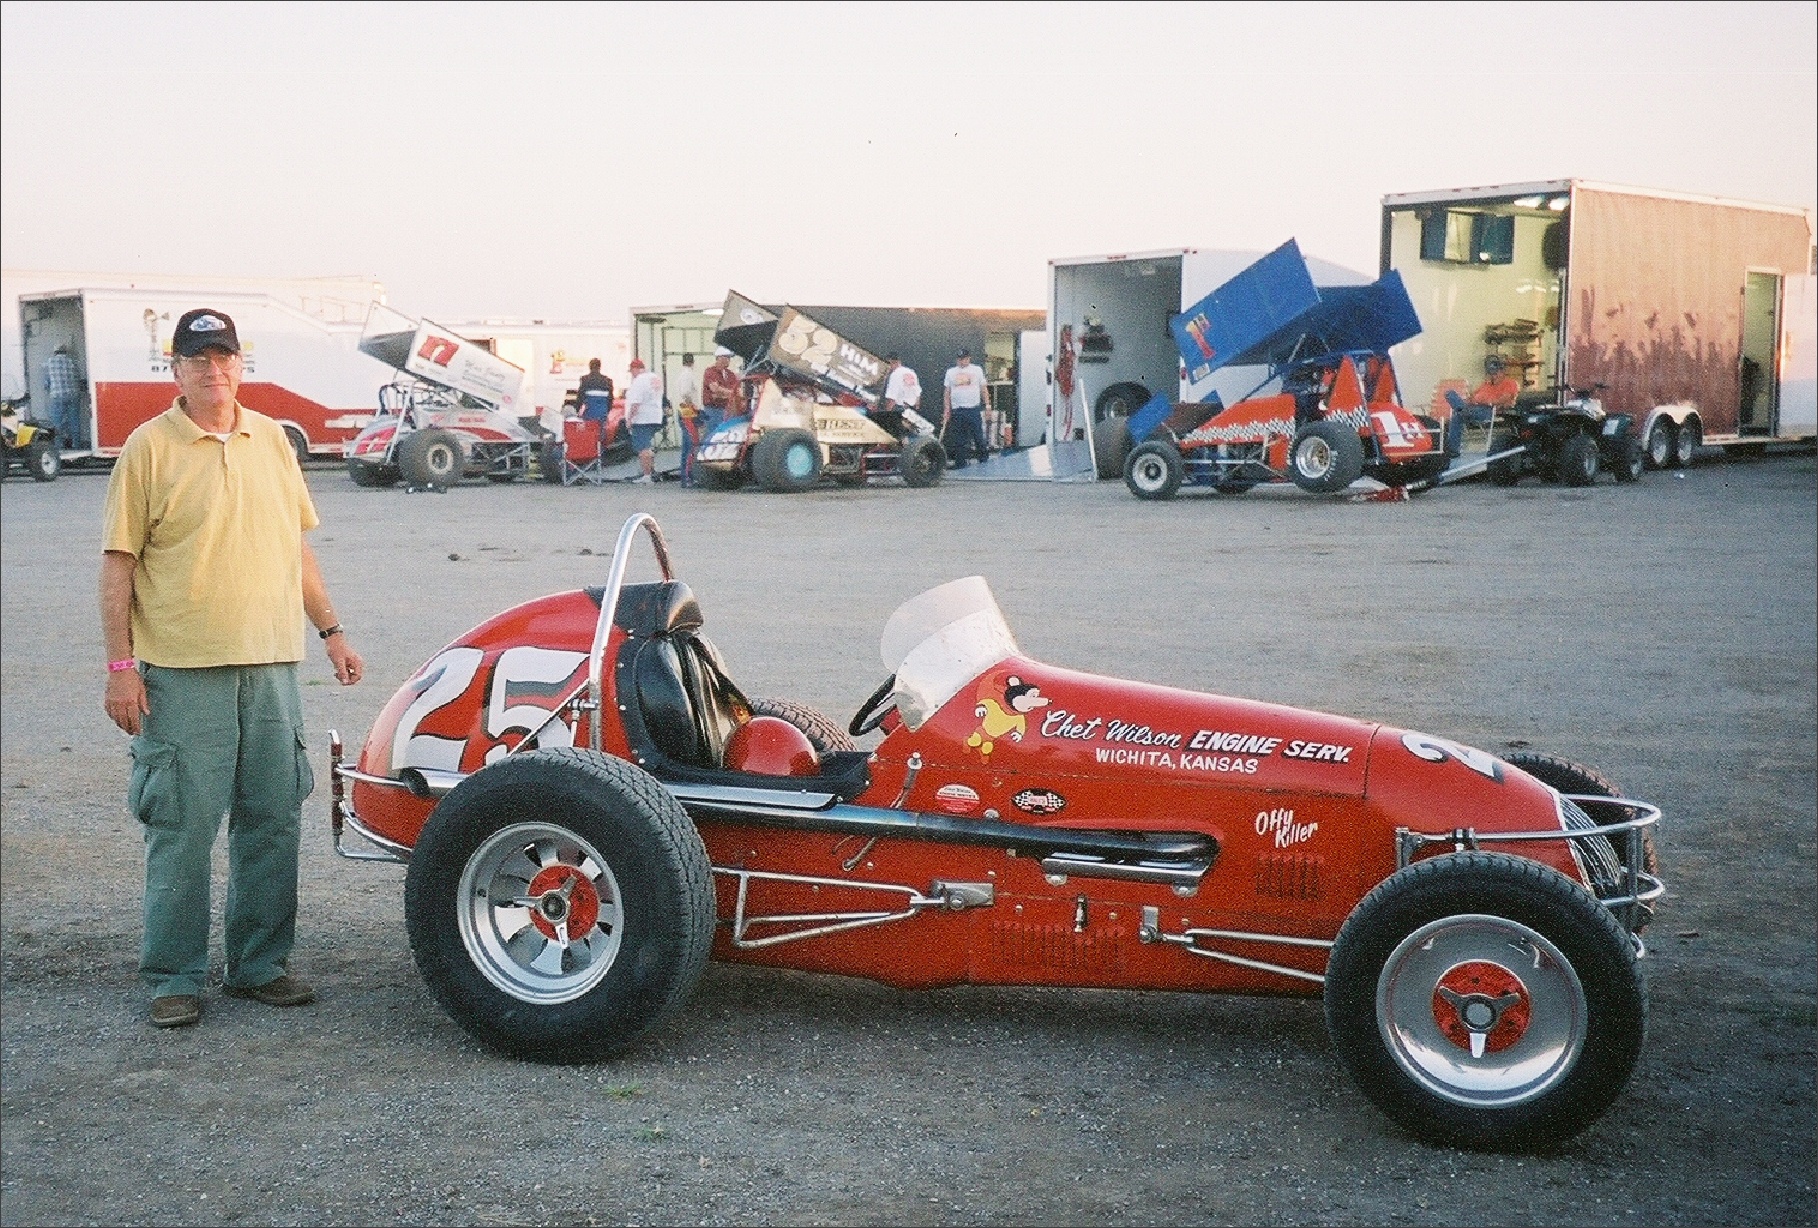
column 218, row 532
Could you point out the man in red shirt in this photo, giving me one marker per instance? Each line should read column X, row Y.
column 719, row 392
column 1497, row 392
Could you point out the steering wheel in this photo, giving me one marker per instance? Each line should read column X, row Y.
column 872, row 712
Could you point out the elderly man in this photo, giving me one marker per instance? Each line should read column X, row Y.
column 205, row 582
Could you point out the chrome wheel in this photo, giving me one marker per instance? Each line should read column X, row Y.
column 540, row 913
column 1481, row 1011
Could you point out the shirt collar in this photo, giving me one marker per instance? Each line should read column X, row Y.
column 187, row 428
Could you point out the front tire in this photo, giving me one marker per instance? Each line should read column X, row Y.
column 560, row 905
column 1154, row 470
column 1485, row 1001
column 43, row 460
column 1630, row 461
column 1578, row 461
column 1326, row 458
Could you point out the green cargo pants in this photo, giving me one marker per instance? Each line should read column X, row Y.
column 219, row 741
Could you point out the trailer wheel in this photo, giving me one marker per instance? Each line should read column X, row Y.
column 1326, row 458
column 1154, row 470
column 1111, row 446
column 43, row 460
column 431, row 457
column 1578, row 461
column 559, row 904
column 1485, row 1001
column 787, row 459
column 923, row 461
column 372, row 476
column 1686, row 442
column 1660, row 444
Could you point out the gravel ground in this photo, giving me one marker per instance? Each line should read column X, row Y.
column 1664, row 632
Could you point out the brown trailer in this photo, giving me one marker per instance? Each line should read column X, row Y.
column 1676, row 305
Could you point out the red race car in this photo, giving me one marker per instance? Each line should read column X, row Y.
column 591, row 808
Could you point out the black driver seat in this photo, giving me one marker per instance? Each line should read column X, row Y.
column 685, row 703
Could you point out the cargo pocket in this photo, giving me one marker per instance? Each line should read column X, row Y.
column 151, row 794
column 306, row 776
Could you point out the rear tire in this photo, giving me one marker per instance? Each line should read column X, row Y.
column 1326, row 458
column 431, row 457
column 373, row 477
column 1111, row 446
column 1120, row 401
column 923, row 462
column 1578, row 461
column 524, row 850
column 1504, row 472
column 786, row 460
column 1154, row 470
column 1485, row 1001
column 719, row 477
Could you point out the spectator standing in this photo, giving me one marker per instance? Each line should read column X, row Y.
column 902, row 391
column 685, row 394
column 595, row 393
column 964, row 402
column 205, row 582
column 64, row 384
column 644, row 410
column 719, row 392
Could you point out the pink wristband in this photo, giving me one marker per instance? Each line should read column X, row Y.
column 121, row 666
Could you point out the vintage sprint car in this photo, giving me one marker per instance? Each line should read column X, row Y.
column 589, row 807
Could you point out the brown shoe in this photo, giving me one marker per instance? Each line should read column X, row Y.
column 287, row 990
column 177, row 1010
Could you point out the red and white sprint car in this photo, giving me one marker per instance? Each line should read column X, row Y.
column 590, row 809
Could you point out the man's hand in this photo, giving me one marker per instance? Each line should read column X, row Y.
column 126, row 701
column 349, row 668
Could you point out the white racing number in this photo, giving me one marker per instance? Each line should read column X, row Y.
column 527, row 683
column 1438, row 750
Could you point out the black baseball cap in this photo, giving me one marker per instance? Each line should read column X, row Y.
column 202, row 328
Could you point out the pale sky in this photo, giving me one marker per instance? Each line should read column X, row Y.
column 570, row 161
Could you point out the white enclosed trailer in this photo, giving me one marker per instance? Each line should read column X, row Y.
column 301, row 370
column 1110, row 344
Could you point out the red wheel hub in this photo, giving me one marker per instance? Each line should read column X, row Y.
column 1481, row 1006
column 563, row 893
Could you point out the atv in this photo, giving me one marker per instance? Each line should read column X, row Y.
column 1565, row 439
column 28, row 445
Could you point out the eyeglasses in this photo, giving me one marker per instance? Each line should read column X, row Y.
column 220, row 359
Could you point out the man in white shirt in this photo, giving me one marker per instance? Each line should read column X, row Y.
column 903, row 390
column 644, row 411
column 965, row 399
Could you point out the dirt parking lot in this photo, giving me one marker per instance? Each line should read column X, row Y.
column 1665, row 632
